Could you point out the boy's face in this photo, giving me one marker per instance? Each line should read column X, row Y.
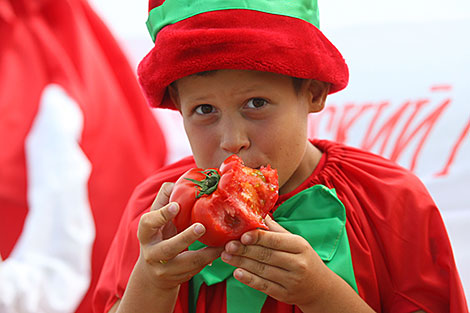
column 257, row 115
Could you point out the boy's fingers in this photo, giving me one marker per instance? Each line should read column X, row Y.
column 274, row 240
column 152, row 221
column 188, row 263
column 195, row 261
column 266, row 286
column 274, row 226
column 170, row 248
column 280, row 259
column 162, row 197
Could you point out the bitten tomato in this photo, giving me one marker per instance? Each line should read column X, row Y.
column 187, row 190
column 228, row 201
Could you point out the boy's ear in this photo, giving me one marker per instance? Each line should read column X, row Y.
column 317, row 93
column 173, row 94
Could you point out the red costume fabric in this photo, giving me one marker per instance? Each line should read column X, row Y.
column 65, row 43
column 401, row 254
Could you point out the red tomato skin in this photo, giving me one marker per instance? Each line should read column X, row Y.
column 184, row 193
column 242, row 198
column 229, row 163
column 215, row 211
column 272, row 180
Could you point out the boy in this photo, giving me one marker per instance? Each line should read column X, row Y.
column 351, row 232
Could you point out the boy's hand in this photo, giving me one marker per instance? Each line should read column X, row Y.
column 164, row 256
column 278, row 263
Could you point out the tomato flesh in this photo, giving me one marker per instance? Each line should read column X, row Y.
column 240, row 202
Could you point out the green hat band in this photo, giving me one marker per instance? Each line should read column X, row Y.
column 172, row 11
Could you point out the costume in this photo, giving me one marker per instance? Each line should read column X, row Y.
column 389, row 217
column 262, row 35
column 76, row 137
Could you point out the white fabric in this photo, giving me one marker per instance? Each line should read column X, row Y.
column 49, row 268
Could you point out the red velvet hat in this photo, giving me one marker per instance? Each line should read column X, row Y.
column 277, row 36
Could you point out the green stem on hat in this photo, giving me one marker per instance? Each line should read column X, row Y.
column 208, row 185
column 172, row 11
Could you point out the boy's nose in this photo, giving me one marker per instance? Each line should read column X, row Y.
column 234, row 139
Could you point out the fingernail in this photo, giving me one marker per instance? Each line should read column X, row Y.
column 232, row 247
column 238, row 274
column 199, row 229
column 173, row 208
column 226, row 257
column 247, row 239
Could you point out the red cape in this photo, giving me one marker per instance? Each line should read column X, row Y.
column 401, row 254
column 65, row 43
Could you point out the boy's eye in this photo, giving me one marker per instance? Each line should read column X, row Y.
column 204, row 109
column 256, row 103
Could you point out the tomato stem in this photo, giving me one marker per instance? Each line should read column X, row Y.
column 208, row 185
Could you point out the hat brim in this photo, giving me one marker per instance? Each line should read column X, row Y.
column 242, row 40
